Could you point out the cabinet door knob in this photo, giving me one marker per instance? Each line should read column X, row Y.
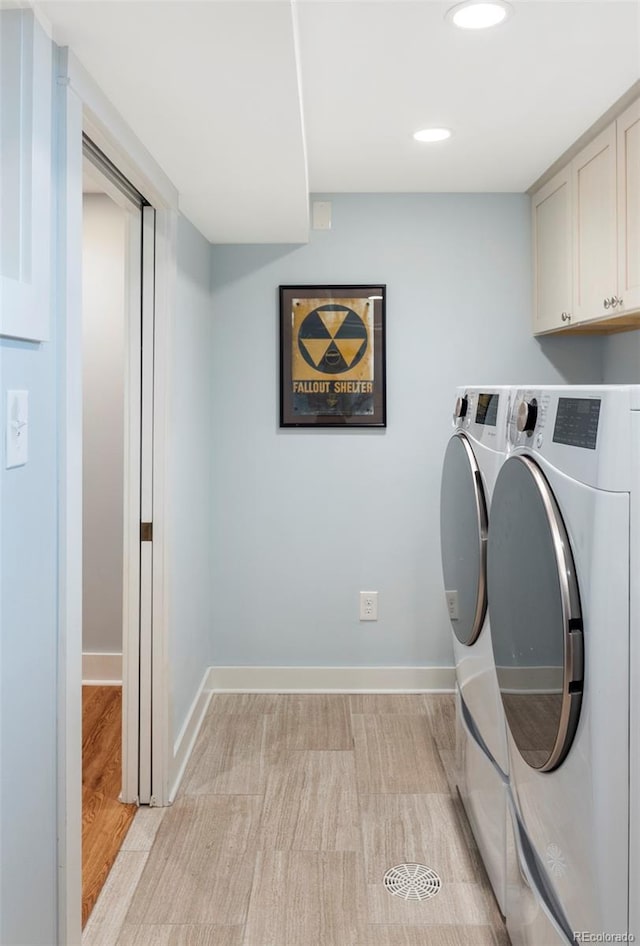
column 618, row 300
column 607, row 303
column 566, row 316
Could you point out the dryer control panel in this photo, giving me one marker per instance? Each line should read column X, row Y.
column 482, row 412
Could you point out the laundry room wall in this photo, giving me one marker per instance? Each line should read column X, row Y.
column 28, row 619
column 305, row 519
column 190, row 488
column 621, row 358
column 28, row 633
column 103, row 329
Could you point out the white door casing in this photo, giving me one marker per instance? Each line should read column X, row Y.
column 81, row 106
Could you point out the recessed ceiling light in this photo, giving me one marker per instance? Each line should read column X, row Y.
column 479, row 14
column 432, row 134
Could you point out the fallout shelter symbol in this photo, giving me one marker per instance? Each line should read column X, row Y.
column 332, row 339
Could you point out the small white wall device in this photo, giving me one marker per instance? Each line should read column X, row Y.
column 17, row 428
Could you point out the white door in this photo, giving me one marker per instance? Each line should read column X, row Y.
column 137, row 476
column 146, row 504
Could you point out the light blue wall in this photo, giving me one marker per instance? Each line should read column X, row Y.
column 190, row 435
column 28, row 645
column 302, row 521
column 28, row 668
column 621, row 358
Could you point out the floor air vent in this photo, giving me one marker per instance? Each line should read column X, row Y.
column 412, row 882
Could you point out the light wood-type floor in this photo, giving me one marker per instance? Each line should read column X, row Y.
column 290, row 812
column 105, row 821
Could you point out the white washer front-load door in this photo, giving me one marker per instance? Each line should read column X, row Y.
column 535, row 614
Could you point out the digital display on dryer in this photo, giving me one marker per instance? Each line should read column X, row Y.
column 487, row 409
column 577, row 422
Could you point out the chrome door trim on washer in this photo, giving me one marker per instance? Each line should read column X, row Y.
column 571, row 614
column 481, row 518
column 573, row 676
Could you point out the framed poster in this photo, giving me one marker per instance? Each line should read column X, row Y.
column 332, row 356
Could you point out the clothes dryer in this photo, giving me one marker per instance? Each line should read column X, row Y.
column 472, row 459
column 564, row 525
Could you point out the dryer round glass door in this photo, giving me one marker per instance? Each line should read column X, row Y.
column 536, row 621
column 463, row 538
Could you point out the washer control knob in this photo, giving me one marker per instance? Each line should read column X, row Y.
column 526, row 416
column 462, row 405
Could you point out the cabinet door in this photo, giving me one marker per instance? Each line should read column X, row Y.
column 552, row 221
column 595, row 279
column 628, row 127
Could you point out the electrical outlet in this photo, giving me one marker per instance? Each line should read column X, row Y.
column 368, row 605
column 452, row 604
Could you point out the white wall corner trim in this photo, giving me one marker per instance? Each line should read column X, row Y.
column 102, row 669
column 188, row 734
column 331, row 679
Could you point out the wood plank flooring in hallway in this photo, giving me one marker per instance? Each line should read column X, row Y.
column 290, row 812
column 105, row 821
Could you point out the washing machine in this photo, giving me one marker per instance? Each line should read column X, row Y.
column 473, row 456
column 562, row 546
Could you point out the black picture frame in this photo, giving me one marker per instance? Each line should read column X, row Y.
column 332, row 356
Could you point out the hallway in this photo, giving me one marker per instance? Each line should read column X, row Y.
column 292, row 809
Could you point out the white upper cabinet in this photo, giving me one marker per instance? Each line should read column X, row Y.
column 552, row 247
column 25, row 176
column 628, row 128
column 595, row 270
column 586, row 235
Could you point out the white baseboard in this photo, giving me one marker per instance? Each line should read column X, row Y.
column 102, row 669
column 530, row 679
column 188, row 734
column 330, row 679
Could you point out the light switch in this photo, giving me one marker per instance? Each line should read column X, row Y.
column 17, row 428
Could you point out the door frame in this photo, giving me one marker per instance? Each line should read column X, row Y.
column 81, row 106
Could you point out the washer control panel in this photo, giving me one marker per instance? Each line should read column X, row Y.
column 577, row 421
column 527, row 418
column 588, row 433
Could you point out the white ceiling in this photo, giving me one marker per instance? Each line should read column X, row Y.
column 249, row 104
